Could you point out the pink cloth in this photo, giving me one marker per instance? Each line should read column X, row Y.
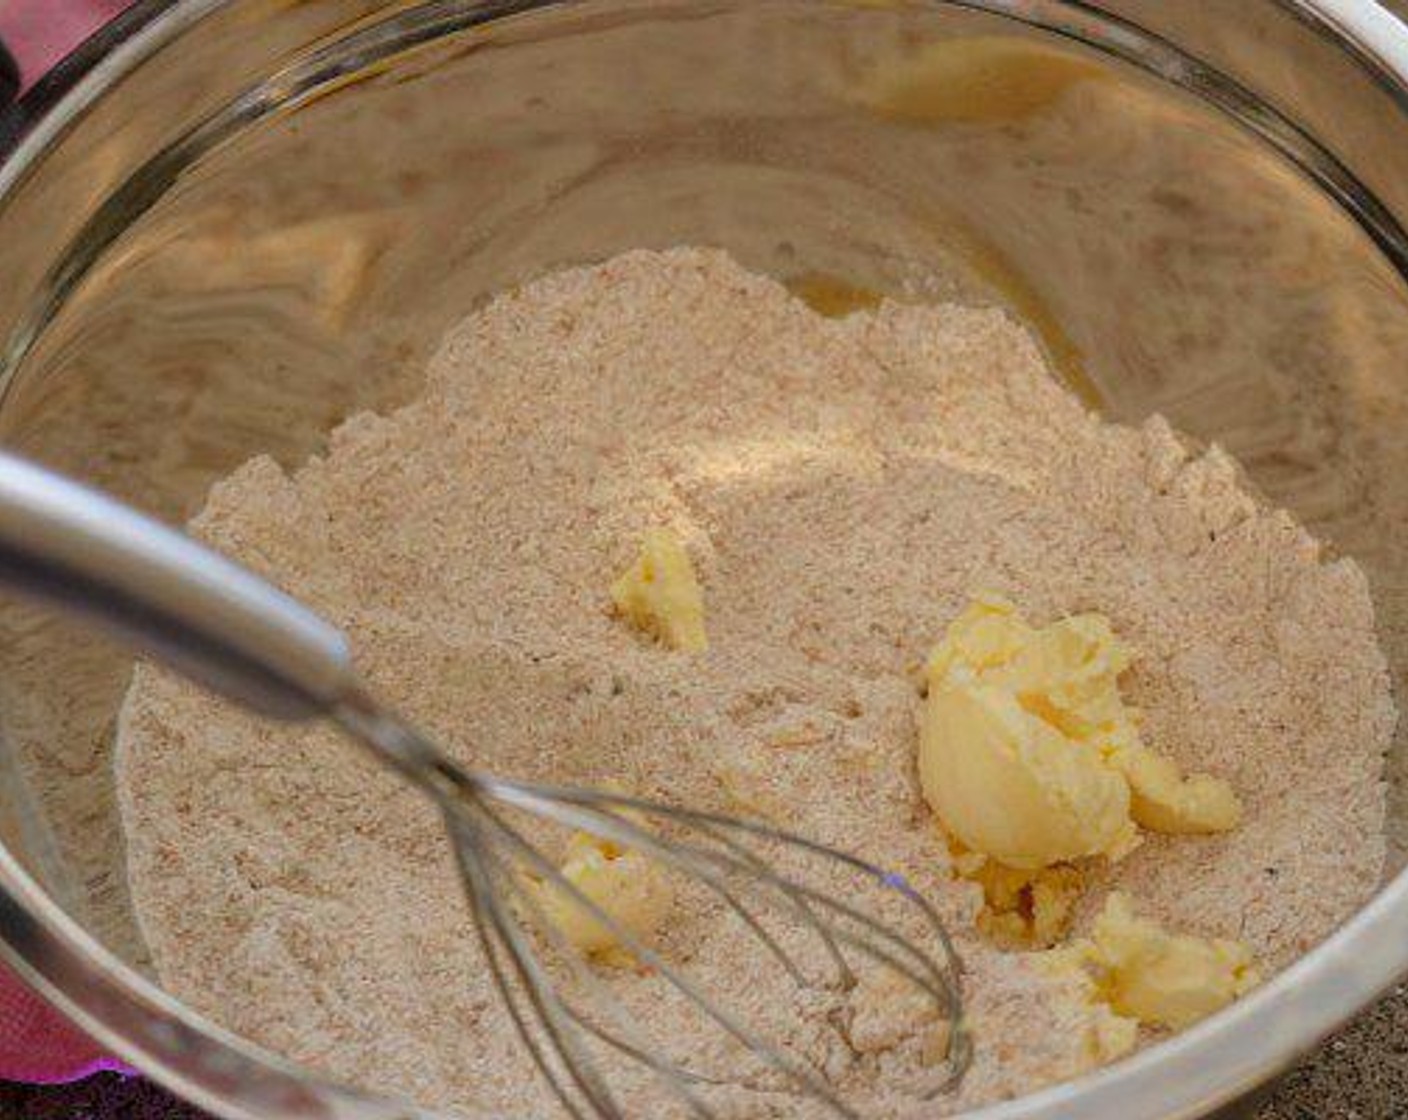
column 40, row 32
column 36, row 1043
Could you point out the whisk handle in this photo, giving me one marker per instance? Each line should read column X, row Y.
column 166, row 595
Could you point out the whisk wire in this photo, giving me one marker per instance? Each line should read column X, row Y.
column 674, row 1076
column 799, row 1072
column 701, row 863
column 224, row 627
column 467, row 799
column 843, row 969
column 927, row 978
column 549, row 796
column 491, row 923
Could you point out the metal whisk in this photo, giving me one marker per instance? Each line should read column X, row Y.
column 796, row 902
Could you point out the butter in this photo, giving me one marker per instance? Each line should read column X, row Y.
column 1162, row 979
column 660, row 595
column 1012, row 788
column 1026, row 909
column 625, row 884
column 1029, row 755
column 1106, row 1034
column 1164, row 801
column 1109, row 1036
column 1022, row 909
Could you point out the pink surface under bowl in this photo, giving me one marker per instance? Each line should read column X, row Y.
column 36, row 1043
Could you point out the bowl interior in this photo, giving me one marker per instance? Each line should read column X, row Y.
column 209, row 278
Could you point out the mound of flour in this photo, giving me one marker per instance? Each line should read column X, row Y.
column 843, row 485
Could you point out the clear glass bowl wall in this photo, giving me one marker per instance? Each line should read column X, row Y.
column 268, row 225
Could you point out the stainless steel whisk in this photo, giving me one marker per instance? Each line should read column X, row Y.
column 224, row 627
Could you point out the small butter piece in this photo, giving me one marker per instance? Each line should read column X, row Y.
column 1165, row 801
column 660, row 595
column 1106, row 1034
column 1026, row 909
column 625, row 884
column 1028, row 753
column 1109, row 1037
column 1159, row 978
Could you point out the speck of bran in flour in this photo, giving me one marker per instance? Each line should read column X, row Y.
column 842, row 486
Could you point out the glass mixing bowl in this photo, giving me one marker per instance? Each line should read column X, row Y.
column 226, row 224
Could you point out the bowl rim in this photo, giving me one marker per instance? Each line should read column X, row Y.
column 1216, row 1062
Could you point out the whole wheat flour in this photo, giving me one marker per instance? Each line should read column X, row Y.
column 842, row 486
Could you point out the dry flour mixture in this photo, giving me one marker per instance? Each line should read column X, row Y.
column 843, row 487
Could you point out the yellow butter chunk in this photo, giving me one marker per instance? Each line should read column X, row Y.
column 1028, row 753
column 659, row 594
column 1165, row 801
column 1026, row 909
column 1159, row 978
column 624, row 884
column 1011, row 787
column 1106, row 1034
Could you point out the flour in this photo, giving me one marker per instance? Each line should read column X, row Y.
column 842, row 487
